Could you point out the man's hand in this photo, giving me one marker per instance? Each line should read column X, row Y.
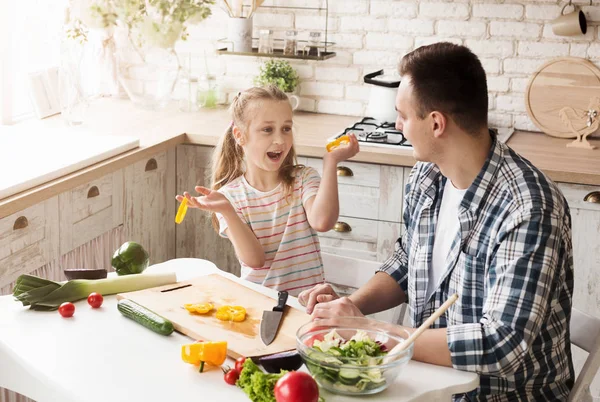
column 319, row 294
column 341, row 307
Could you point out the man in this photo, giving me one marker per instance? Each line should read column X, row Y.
column 480, row 221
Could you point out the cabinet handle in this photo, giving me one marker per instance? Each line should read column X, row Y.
column 342, row 227
column 20, row 223
column 93, row 192
column 344, row 171
column 151, row 165
column 593, row 197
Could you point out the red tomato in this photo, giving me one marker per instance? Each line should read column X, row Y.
column 231, row 376
column 95, row 300
column 296, row 386
column 239, row 364
column 310, row 341
column 67, row 309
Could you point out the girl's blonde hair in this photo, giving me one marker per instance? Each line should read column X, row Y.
column 228, row 158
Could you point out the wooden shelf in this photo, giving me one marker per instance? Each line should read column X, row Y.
column 279, row 54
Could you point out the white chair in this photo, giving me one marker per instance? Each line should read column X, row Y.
column 585, row 333
column 348, row 274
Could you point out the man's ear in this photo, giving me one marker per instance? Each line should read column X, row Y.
column 238, row 135
column 438, row 123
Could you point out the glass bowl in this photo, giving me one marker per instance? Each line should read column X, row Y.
column 352, row 375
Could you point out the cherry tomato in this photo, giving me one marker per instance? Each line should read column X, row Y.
column 239, row 364
column 95, row 300
column 296, row 386
column 67, row 309
column 231, row 376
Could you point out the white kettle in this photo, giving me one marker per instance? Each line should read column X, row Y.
column 382, row 98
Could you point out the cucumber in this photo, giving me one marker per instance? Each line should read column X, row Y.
column 147, row 318
column 349, row 376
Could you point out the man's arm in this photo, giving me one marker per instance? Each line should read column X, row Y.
column 382, row 292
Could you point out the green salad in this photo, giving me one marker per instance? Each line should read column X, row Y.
column 353, row 356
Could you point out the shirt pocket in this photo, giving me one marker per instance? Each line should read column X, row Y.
column 468, row 280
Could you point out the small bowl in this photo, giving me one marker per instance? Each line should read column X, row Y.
column 345, row 375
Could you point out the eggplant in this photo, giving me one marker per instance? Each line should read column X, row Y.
column 78, row 273
column 274, row 363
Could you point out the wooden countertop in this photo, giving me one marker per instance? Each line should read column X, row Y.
column 161, row 130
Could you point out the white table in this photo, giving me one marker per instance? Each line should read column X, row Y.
column 99, row 355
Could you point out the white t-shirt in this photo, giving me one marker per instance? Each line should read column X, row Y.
column 446, row 231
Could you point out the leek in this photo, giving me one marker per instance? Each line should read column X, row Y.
column 42, row 294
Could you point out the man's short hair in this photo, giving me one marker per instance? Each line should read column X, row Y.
column 450, row 79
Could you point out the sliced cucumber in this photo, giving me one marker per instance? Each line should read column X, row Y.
column 147, row 318
column 349, row 376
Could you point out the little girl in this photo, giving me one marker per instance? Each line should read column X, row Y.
column 267, row 205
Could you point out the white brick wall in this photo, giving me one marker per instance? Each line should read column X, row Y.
column 512, row 39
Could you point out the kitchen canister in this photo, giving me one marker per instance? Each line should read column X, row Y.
column 239, row 33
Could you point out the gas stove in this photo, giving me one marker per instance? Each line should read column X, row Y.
column 371, row 132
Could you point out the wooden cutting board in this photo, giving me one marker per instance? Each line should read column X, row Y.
column 561, row 82
column 243, row 338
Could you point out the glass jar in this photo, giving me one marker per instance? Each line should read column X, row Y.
column 189, row 96
column 265, row 41
column 291, row 43
column 208, row 91
column 314, row 41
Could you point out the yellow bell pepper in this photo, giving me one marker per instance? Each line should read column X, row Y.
column 181, row 211
column 199, row 308
column 344, row 139
column 231, row 313
column 199, row 353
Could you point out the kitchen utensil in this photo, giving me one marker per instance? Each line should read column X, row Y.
column 562, row 82
column 271, row 319
column 382, row 98
column 243, row 338
column 573, row 23
column 428, row 322
column 352, row 375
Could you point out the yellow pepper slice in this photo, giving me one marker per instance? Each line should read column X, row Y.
column 199, row 353
column 344, row 139
column 181, row 211
column 199, row 308
column 231, row 313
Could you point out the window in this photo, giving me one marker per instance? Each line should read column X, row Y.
column 30, row 34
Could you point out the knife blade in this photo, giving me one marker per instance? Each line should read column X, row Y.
column 272, row 319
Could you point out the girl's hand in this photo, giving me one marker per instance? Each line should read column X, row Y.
column 344, row 152
column 212, row 201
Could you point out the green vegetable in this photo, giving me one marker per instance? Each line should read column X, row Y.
column 350, row 355
column 147, row 318
column 42, row 294
column 279, row 73
column 256, row 384
column 130, row 258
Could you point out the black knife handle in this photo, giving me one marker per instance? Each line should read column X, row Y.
column 281, row 300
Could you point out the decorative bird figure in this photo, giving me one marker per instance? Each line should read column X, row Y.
column 588, row 122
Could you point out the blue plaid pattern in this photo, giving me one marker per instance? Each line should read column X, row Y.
column 511, row 264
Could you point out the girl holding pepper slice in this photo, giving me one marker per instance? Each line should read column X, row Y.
column 270, row 207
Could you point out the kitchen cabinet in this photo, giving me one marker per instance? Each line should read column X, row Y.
column 89, row 210
column 28, row 240
column 150, row 205
column 195, row 236
column 585, row 217
column 370, row 218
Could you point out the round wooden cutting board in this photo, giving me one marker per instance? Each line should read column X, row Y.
column 562, row 82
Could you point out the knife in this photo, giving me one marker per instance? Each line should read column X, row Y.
column 271, row 319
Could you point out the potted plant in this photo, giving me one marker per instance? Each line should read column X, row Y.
column 282, row 74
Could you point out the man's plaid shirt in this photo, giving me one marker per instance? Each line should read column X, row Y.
column 512, row 265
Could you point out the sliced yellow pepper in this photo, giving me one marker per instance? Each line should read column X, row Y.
column 344, row 139
column 199, row 353
column 181, row 211
column 199, row 308
column 231, row 313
